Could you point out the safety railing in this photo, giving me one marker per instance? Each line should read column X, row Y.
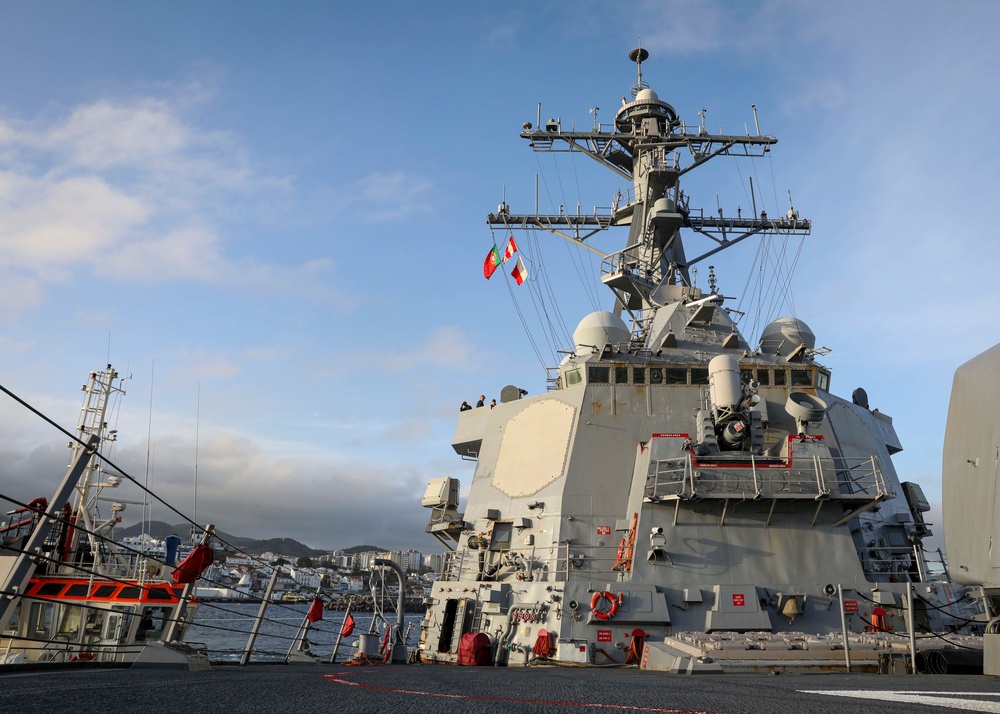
column 850, row 478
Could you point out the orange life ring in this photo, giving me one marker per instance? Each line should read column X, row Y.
column 596, row 600
column 82, row 657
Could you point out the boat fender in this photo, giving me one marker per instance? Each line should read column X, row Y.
column 596, row 600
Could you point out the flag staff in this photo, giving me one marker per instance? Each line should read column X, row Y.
column 346, row 629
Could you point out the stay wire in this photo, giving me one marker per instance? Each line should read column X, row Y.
column 118, row 469
column 106, row 540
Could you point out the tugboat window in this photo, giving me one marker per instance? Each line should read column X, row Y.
column 599, row 375
column 638, row 375
column 621, row 375
column 11, row 627
column 41, row 619
column 675, row 375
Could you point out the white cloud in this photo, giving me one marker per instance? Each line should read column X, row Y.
column 50, row 221
column 105, row 134
column 385, row 196
column 134, row 192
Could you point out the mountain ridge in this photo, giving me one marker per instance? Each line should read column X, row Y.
column 278, row 546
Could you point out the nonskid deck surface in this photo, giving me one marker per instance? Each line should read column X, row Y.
column 432, row 688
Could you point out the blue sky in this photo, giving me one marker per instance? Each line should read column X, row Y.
column 282, row 208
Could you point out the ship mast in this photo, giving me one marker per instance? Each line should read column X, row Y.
column 652, row 148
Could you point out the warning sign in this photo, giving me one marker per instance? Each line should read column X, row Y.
column 738, row 600
column 850, row 605
column 604, row 635
column 603, row 530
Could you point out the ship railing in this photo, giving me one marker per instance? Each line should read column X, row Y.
column 539, row 565
column 627, row 261
column 893, row 564
column 841, row 478
column 599, row 559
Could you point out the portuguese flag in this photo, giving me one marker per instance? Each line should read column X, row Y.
column 492, row 262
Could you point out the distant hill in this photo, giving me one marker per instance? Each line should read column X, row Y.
column 354, row 549
column 254, row 546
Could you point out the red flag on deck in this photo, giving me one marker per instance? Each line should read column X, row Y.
column 492, row 262
column 191, row 568
column 315, row 613
column 509, row 251
column 348, row 626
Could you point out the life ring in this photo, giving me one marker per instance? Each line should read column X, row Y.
column 82, row 657
column 596, row 600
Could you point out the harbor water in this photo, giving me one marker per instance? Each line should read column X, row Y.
column 224, row 628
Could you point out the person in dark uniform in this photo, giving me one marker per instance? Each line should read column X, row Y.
column 482, row 400
column 465, row 407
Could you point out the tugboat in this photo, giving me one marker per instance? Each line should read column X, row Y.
column 681, row 498
column 69, row 592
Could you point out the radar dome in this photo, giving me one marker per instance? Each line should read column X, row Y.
column 647, row 95
column 597, row 328
column 785, row 335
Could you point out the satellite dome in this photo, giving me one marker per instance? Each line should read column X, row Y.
column 597, row 328
column 785, row 335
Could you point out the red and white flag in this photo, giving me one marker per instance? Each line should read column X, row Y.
column 509, row 251
column 519, row 272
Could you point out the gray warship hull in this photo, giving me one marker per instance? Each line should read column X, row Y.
column 680, row 496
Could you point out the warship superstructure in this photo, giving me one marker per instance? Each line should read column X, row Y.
column 678, row 490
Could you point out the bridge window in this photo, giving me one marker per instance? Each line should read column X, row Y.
column 638, row 375
column 573, row 377
column 823, row 381
column 598, row 375
column 780, row 377
column 675, row 375
column 699, row 375
column 802, row 378
column 621, row 375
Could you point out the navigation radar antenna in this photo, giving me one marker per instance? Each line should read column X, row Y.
column 638, row 55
